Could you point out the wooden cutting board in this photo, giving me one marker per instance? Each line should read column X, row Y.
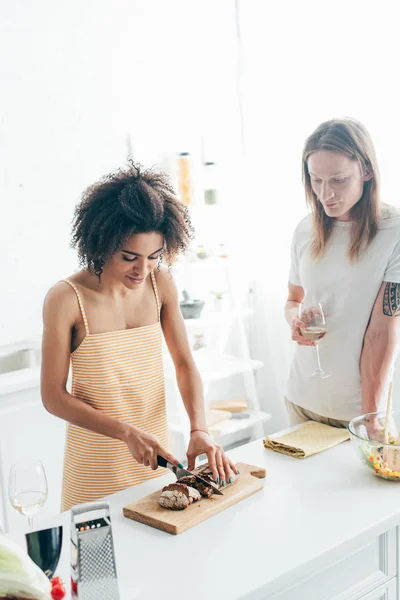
column 148, row 511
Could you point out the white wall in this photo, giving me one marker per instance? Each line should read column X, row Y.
column 77, row 78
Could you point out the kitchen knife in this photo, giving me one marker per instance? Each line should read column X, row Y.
column 179, row 472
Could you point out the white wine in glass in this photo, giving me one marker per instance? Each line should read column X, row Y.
column 27, row 488
column 312, row 315
column 314, row 334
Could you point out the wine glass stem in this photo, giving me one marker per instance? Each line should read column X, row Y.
column 318, row 359
column 30, row 523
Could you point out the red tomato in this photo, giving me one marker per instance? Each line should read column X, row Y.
column 58, row 592
column 74, row 586
column 56, row 581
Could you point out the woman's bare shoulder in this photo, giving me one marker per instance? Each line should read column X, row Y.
column 61, row 296
column 165, row 281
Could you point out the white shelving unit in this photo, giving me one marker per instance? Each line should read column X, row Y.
column 228, row 433
column 216, row 362
column 215, row 368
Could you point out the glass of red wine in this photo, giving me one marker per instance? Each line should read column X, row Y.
column 44, row 548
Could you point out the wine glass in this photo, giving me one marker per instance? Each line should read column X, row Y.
column 27, row 487
column 44, row 547
column 312, row 315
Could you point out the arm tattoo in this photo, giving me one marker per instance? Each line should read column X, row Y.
column 391, row 300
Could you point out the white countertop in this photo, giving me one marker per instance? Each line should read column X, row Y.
column 309, row 514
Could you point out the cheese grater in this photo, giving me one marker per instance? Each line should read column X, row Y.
column 93, row 569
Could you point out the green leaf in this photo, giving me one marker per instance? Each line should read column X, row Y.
column 19, row 576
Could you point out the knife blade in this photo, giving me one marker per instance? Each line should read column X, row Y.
column 180, row 472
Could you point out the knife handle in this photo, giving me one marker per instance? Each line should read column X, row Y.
column 162, row 462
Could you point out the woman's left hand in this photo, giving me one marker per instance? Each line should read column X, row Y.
column 221, row 466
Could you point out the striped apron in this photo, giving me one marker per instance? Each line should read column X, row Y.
column 121, row 374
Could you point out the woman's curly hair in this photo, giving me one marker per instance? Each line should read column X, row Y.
column 123, row 203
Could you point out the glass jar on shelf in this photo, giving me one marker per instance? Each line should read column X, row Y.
column 210, row 184
column 219, row 299
column 185, row 178
column 199, row 342
column 222, row 252
column 201, row 252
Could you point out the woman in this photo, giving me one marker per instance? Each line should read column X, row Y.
column 108, row 320
column 346, row 254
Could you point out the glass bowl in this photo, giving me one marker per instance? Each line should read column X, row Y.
column 381, row 457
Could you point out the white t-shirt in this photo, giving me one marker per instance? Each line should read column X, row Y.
column 347, row 292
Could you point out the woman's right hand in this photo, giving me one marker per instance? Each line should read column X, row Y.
column 297, row 336
column 145, row 448
column 376, row 430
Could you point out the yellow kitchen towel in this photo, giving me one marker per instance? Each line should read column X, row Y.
column 309, row 438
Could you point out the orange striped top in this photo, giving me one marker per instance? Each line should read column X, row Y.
column 121, row 374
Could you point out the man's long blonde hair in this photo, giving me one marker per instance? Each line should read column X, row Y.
column 348, row 137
